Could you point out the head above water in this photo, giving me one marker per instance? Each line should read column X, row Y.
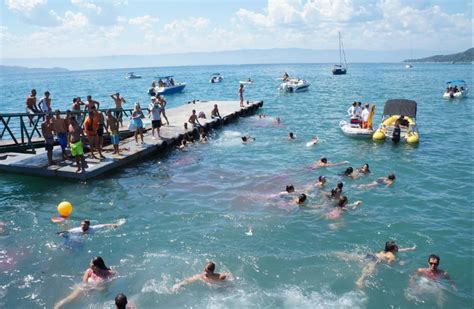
column 121, row 301
column 244, row 138
column 291, row 135
column 391, row 246
column 365, row 167
column 391, row 176
column 98, row 263
column 290, row 188
column 339, row 185
column 348, row 171
column 342, row 201
column 433, row 261
column 209, row 267
column 322, row 179
column 324, row 160
column 85, row 224
column 301, row 198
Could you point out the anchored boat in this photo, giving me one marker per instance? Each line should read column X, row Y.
column 132, row 75
column 167, row 85
column 340, row 69
column 455, row 89
column 294, row 85
column 216, row 78
column 398, row 122
column 354, row 128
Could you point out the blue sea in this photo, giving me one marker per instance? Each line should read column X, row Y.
column 219, row 201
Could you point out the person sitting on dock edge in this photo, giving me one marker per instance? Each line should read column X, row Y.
column 193, row 119
column 215, row 112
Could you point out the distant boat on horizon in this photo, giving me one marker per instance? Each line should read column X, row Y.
column 340, row 69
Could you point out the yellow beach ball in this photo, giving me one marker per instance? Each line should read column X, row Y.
column 65, row 209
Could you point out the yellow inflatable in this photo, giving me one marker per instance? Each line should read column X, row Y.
column 65, row 209
column 378, row 135
column 390, row 121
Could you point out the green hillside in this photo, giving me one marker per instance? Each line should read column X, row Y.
column 466, row 56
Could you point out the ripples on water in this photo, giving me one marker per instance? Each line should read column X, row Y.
column 185, row 207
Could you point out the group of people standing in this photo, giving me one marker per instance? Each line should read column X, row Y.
column 84, row 121
column 359, row 115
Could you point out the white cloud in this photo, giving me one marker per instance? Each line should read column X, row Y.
column 23, row 5
column 145, row 22
column 84, row 4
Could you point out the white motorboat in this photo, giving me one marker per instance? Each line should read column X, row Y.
column 216, row 78
column 167, row 85
column 246, row 82
column 409, row 66
column 294, row 85
column 455, row 89
column 132, row 75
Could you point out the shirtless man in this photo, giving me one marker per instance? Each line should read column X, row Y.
column 86, row 228
column 381, row 181
column 61, row 129
column 207, row 276
column 89, row 103
column 100, row 130
column 113, row 129
column 118, row 106
column 76, row 108
column 45, row 103
column 75, row 141
column 47, row 128
column 31, row 107
column 215, row 112
column 162, row 102
column 323, row 162
column 433, row 272
column 193, row 119
column 386, row 256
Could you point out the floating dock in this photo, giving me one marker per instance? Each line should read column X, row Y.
column 36, row 164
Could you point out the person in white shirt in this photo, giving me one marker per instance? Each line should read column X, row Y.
column 351, row 110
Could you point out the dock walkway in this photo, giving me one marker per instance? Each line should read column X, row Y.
column 37, row 164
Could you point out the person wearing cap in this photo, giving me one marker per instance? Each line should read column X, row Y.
column 365, row 116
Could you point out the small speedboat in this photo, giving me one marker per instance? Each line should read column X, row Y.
column 455, row 89
column 409, row 66
column 167, row 85
column 399, row 114
column 132, row 75
column 246, row 82
column 353, row 126
column 294, row 85
column 216, row 78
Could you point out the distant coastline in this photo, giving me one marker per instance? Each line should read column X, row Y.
column 229, row 57
column 21, row 69
column 462, row 57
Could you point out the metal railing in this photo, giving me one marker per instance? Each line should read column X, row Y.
column 21, row 128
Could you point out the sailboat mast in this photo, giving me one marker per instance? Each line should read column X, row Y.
column 340, row 54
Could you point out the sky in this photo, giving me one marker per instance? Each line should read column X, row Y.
column 83, row 28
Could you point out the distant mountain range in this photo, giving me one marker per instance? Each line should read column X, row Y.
column 230, row 57
column 20, row 69
column 466, row 56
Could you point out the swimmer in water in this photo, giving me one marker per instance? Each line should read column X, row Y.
column 433, row 272
column 336, row 192
column 207, row 276
column 349, row 172
column 321, row 182
column 246, row 139
column 323, row 162
column 291, row 136
column 382, row 181
column 386, row 256
column 314, row 140
column 300, row 200
column 86, row 228
column 94, row 276
column 121, row 302
column 289, row 189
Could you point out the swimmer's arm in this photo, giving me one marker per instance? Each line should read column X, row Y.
column 86, row 276
column 187, row 281
column 336, row 164
column 407, row 249
column 354, row 205
column 447, row 277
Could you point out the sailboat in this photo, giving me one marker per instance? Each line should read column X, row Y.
column 340, row 69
